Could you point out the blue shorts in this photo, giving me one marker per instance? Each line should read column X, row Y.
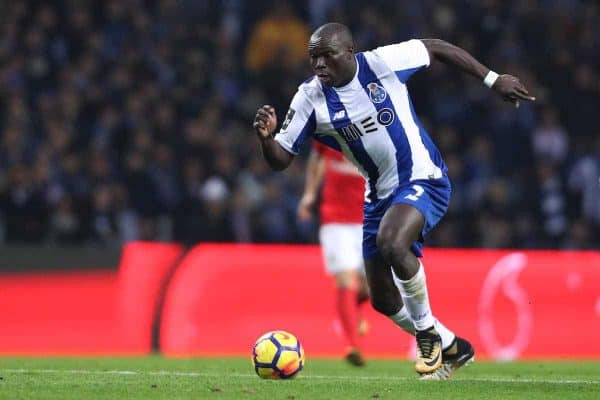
column 430, row 197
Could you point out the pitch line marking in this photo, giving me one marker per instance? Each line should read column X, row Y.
column 302, row 377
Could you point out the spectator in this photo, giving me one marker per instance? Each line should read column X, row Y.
column 584, row 180
column 114, row 115
column 279, row 36
column 550, row 141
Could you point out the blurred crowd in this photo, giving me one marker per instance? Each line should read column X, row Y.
column 130, row 119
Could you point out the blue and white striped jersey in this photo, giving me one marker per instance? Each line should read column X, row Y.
column 371, row 120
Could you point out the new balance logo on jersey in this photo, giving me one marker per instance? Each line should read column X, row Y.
column 339, row 115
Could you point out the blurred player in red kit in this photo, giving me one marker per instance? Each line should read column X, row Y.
column 340, row 235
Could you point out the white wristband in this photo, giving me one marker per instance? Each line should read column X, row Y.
column 490, row 78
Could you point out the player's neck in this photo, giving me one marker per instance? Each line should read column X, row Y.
column 349, row 76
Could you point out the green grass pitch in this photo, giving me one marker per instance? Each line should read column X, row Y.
column 233, row 378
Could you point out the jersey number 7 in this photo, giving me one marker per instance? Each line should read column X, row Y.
column 418, row 192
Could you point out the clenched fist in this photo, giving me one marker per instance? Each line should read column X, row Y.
column 265, row 121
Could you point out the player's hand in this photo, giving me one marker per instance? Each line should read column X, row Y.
column 265, row 121
column 305, row 208
column 511, row 89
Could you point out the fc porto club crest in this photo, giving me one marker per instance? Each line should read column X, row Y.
column 376, row 92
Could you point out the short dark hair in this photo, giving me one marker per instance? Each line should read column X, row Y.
column 335, row 28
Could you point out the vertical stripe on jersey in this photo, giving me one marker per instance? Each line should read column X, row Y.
column 328, row 141
column 434, row 153
column 404, row 74
column 309, row 127
column 423, row 166
column 327, row 135
column 395, row 129
column 334, row 104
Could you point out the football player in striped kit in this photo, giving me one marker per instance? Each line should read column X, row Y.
column 358, row 103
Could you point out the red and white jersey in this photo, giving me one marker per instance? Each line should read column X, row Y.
column 343, row 188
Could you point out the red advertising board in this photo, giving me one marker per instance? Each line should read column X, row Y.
column 58, row 313
column 87, row 312
column 144, row 272
column 510, row 304
column 219, row 298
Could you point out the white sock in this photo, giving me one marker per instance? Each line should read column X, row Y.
column 446, row 334
column 403, row 320
column 415, row 298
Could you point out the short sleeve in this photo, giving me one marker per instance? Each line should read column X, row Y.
column 404, row 58
column 298, row 125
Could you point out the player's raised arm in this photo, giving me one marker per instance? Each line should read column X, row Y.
column 507, row 86
column 265, row 123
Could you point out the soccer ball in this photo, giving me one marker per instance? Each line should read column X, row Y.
column 277, row 355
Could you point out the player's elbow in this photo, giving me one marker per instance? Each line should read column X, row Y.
column 278, row 163
column 276, row 156
column 278, row 166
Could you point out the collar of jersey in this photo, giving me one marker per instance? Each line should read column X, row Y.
column 350, row 85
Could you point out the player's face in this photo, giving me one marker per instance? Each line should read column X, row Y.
column 332, row 62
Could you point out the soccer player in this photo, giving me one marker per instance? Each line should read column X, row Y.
column 358, row 103
column 340, row 235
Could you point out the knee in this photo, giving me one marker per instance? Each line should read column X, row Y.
column 392, row 247
column 346, row 279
